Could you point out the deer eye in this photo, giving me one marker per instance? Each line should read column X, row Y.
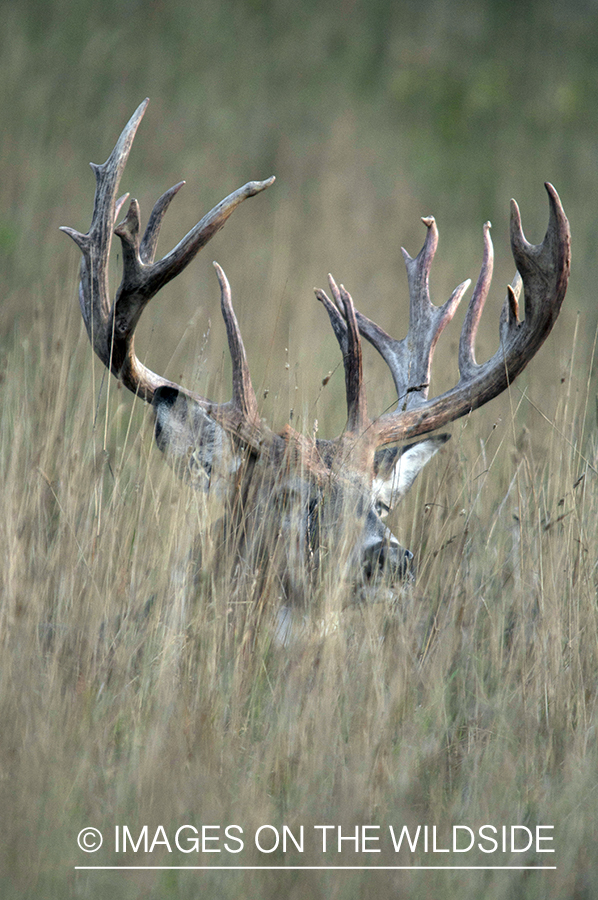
column 381, row 508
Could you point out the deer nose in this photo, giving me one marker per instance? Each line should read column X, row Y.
column 388, row 557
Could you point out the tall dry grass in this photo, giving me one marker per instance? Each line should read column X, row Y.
column 130, row 695
column 133, row 688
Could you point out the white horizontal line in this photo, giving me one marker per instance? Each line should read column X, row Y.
column 311, row 868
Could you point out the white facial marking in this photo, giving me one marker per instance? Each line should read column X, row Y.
column 390, row 486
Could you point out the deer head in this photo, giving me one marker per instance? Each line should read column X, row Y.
column 312, row 493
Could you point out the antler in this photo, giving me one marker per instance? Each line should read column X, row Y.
column 111, row 326
column 543, row 271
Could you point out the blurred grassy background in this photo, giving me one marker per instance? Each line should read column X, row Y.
column 370, row 114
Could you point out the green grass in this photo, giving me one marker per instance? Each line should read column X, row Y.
column 478, row 706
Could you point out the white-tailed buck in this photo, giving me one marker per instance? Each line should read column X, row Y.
column 291, row 499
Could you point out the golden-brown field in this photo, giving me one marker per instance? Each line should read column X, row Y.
column 133, row 689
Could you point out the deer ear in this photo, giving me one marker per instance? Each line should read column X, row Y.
column 396, row 468
column 192, row 442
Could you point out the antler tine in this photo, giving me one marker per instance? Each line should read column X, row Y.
column 339, row 326
column 346, row 332
column 467, row 362
column 244, row 399
column 149, row 242
column 357, row 414
column 426, row 323
column 409, row 360
column 545, row 263
column 94, row 296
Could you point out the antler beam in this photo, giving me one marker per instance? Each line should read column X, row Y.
column 110, row 325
